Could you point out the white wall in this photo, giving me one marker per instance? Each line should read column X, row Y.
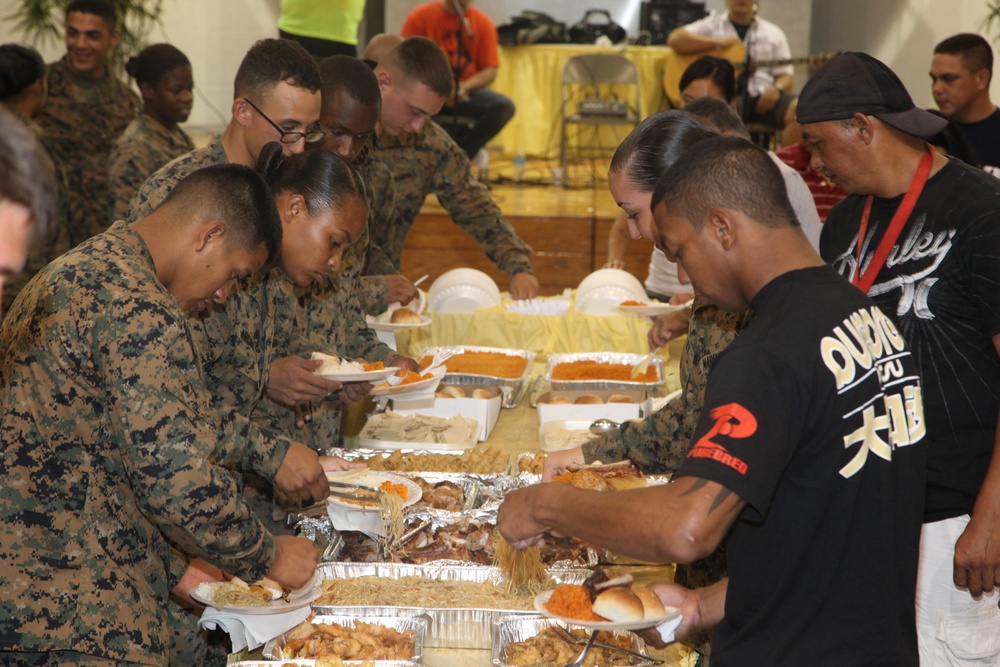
column 216, row 33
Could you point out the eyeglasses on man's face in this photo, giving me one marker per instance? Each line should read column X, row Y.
column 311, row 135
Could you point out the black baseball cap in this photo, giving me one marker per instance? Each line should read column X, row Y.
column 854, row 82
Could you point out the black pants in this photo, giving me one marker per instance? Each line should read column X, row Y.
column 322, row 48
column 482, row 117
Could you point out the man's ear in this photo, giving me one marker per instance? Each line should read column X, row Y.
column 863, row 127
column 721, row 225
column 384, row 79
column 241, row 111
column 210, row 234
column 982, row 79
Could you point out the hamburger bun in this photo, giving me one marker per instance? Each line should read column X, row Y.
column 652, row 607
column 481, row 393
column 453, row 392
column 559, row 400
column 620, row 398
column 619, row 605
column 441, row 394
column 588, row 399
column 405, row 316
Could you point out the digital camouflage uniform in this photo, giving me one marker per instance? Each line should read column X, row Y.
column 159, row 185
column 142, row 148
column 81, row 120
column 110, row 450
column 659, row 443
column 431, row 161
column 380, row 196
column 56, row 239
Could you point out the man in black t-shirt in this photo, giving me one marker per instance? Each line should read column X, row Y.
column 961, row 71
column 935, row 270
column 809, row 454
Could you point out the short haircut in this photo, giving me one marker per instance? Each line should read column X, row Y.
column 103, row 8
column 719, row 70
column 420, row 60
column 352, row 76
column 28, row 175
column 716, row 112
column 236, row 195
column 727, row 172
column 324, row 179
column 154, row 61
column 270, row 62
column 20, row 67
column 655, row 145
column 973, row 49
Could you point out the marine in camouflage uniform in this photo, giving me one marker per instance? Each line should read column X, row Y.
column 110, row 454
column 159, row 185
column 142, row 148
column 81, row 120
column 430, row 161
column 56, row 239
column 380, row 196
column 659, row 443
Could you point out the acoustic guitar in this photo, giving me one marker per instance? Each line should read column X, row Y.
column 676, row 64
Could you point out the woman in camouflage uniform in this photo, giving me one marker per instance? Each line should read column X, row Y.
column 154, row 138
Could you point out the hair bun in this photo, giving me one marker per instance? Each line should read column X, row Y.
column 269, row 159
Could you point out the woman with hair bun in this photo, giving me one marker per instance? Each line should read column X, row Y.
column 23, row 81
column 154, row 138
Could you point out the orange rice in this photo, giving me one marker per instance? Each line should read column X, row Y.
column 493, row 364
column 595, row 370
column 397, row 489
column 572, row 601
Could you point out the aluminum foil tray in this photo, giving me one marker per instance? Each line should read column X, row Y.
column 366, row 453
column 302, row 662
column 417, row 622
column 450, row 627
column 607, row 358
column 513, row 389
column 517, row 628
column 472, row 486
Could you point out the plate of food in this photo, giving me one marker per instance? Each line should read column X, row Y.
column 640, row 309
column 368, row 487
column 343, row 370
column 406, row 381
column 400, row 319
column 611, row 604
column 259, row 598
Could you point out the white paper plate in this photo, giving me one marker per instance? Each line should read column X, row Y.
column 548, row 442
column 297, row 599
column 422, row 385
column 367, row 376
column 372, row 480
column 650, row 309
column 462, row 291
column 542, row 598
column 401, row 326
column 604, row 299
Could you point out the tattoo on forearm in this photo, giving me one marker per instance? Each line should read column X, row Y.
column 721, row 497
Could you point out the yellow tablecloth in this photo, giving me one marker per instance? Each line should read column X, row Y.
column 531, row 75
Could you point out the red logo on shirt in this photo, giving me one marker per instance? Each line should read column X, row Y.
column 731, row 421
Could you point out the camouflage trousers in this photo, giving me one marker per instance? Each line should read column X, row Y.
column 58, row 659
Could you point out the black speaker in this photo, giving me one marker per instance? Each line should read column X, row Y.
column 660, row 18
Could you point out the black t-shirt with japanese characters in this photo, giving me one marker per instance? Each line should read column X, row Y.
column 813, row 416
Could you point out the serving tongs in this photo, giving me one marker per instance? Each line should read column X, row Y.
column 570, row 638
column 355, row 492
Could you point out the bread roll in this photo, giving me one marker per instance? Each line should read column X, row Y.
column 589, row 399
column 441, row 394
column 405, row 316
column 481, row 393
column 652, row 607
column 620, row 605
column 559, row 400
column 453, row 392
column 620, row 398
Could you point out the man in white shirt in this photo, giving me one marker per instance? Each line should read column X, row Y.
column 768, row 98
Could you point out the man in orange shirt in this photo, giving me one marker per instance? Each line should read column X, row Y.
column 469, row 39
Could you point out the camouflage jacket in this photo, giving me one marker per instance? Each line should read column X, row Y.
column 143, row 147
column 81, row 120
column 429, row 162
column 372, row 262
column 56, row 239
column 159, row 185
column 109, row 450
column 659, row 443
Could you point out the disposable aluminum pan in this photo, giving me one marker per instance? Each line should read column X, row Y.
column 302, row 662
column 605, row 358
column 451, row 627
column 364, row 453
column 401, row 623
column 518, row 628
column 513, row 389
column 472, row 487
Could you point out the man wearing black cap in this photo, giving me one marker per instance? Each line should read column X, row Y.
column 921, row 235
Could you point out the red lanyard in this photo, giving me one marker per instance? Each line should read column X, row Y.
column 899, row 219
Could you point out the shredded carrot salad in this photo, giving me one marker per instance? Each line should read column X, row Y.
column 572, row 601
column 409, row 377
column 396, row 489
column 493, row 364
column 631, row 302
column 596, row 370
column 374, row 366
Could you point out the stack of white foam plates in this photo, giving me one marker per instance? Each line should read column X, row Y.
column 601, row 291
column 462, row 291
